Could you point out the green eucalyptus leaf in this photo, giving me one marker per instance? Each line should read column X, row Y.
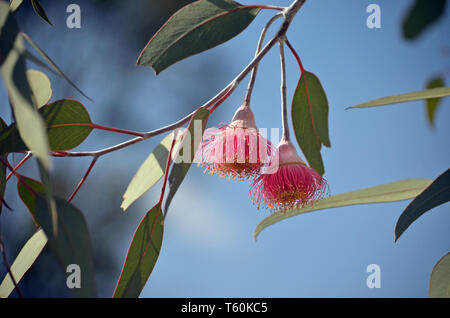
column 436, row 194
column 195, row 28
column 440, row 279
column 389, row 192
column 310, row 119
column 142, row 255
column 24, row 260
column 408, row 97
column 67, row 123
column 27, row 195
column 72, row 244
column 37, row 6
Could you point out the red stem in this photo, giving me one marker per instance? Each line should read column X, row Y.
column 58, row 153
column 28, row 156
column 96, row 126
column 297, row 57
column 163, row 189
column 82, row 180
column 166, row 173
column 18, row 176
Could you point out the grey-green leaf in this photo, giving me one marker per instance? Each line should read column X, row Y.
column 436, row 194
column 195, row 28
column 407, row 97
column 310, row 119
column 440, row 279
column 72, row 245
column 142, row 255
column 433, row 103
column 389, row 192
column 150, row 171
column 27, row 256
column 191, row 140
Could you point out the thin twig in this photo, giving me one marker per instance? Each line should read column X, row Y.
column 284, row 115
column 28, row 156
column 18, row 176
column 297, row 57
column 82, row 179
column 251, row 83
column 5, row 261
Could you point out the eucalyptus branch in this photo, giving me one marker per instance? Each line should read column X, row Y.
column 288, row 13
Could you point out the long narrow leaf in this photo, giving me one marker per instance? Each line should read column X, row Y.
column 27, row 256
column 142, row 255
column 37, row 6
column 436, row 194
column 408, row 97
column 395, row 191
column 53, row 65
column 195, row 28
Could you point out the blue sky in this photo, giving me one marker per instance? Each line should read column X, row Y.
column 208, row 249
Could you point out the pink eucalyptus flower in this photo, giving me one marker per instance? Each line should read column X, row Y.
column 237, row 150
column 293, row 185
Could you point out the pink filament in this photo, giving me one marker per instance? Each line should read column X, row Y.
column 234, row 152
column 293, row 185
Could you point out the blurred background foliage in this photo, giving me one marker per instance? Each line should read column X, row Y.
column 421, row 16
column 104, row 52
